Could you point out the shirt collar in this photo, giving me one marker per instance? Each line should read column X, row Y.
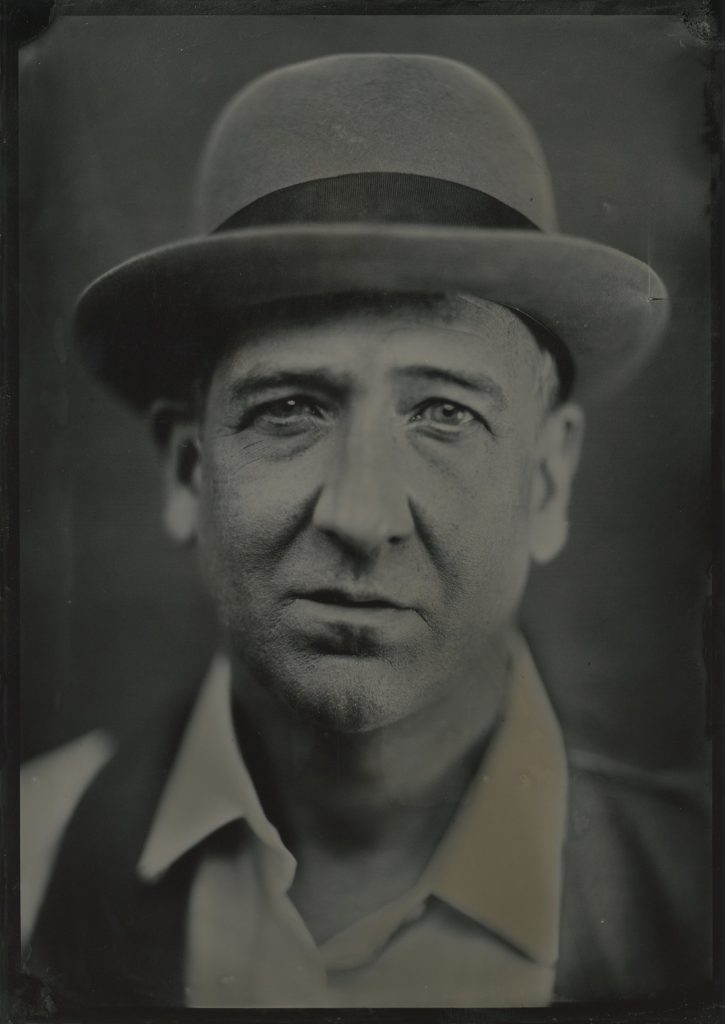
column 209, row 784
column 500, row 860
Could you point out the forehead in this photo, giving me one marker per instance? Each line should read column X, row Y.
column 370, row 336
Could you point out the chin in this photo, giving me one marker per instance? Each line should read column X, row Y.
column 347, row 694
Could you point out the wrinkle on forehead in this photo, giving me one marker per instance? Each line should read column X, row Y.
column 481, row 314
column 463, row 314
column 471, row 316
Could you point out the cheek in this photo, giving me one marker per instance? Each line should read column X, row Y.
column 485, row 506
column 249, row 507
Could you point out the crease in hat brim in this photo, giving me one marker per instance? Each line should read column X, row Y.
column 610, row 309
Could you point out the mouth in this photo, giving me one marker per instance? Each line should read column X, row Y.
column 351, row 620
column 345, row 598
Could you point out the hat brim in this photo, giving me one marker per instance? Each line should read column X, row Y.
column 143, row 325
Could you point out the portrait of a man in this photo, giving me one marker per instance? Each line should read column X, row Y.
column 367, row 373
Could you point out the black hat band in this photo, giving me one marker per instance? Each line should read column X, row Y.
column 382, row 197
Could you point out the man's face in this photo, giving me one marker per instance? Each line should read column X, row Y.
column 363, row 505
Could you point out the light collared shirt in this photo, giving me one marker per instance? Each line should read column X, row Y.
column 479, row 928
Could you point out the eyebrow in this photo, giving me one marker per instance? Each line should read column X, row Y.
column 256, row 380
column 479, row 383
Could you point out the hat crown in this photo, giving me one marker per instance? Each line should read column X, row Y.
column 361, row 113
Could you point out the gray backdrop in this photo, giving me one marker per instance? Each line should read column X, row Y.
column 113, row 114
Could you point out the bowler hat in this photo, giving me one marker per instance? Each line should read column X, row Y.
column 368, row 173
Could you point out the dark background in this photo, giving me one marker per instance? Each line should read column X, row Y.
column 113, row 113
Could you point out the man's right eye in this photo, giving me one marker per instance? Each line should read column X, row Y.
column 285, row 414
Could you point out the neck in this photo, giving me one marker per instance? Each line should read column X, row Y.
column 381, row 790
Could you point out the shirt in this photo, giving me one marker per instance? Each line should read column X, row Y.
column 479, row 928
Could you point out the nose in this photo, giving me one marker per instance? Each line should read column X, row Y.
column 363, row 503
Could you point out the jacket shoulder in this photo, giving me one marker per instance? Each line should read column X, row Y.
column 637, row 897
column 51, row 786
column 102, row 937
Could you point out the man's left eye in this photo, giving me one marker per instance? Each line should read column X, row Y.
column 444, row 414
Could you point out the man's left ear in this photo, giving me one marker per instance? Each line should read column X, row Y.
column 175, row 429
column 558, row 450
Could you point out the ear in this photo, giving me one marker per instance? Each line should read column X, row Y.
column 558, row 450
column 175, row 427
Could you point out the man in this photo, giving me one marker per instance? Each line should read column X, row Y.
column 365, row 376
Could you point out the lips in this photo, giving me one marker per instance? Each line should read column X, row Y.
column 349, row 598
column 350, row 620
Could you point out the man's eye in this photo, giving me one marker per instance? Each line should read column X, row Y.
column 444, row 415
column 285, row 413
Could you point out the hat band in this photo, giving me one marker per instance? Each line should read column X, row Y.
column 375, row 196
